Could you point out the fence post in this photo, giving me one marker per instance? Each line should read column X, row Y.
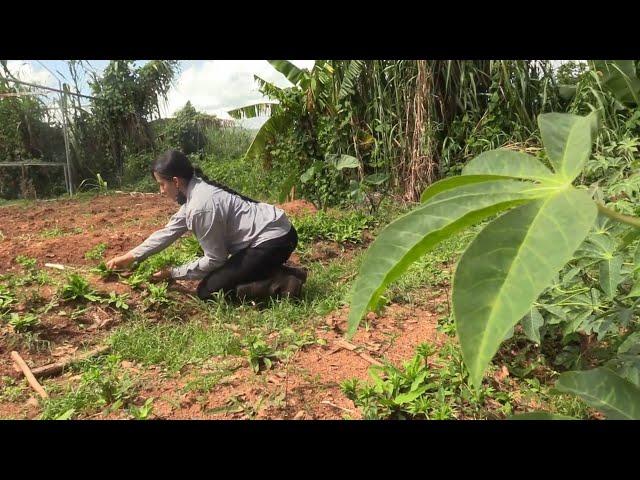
column 63, row 108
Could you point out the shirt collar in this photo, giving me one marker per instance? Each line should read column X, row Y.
column 192, row 183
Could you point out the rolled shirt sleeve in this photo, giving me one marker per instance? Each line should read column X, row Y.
column 209, row 234
column 161, row 239
column 196, row 270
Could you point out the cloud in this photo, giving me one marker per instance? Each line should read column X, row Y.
column 212, row 86
column 32, row 72
column 216, row 86
column 29, row 72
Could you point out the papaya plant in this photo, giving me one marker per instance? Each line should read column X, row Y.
column 543, row 219
column 365, row 189
column 323, row 178
column 620, row 78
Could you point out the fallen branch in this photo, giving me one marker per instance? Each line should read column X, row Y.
column 351, row 347
column 327, row 402
column 133, row 194
column 27, row 373
column 286, row 377
column 54, row 265
column 370, row 359
column 347, row 278
column 344, row 344
column 57, row 367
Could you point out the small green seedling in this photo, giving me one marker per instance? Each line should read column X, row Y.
column 23, row 323
column 142, row 412
column 103, row 271
column 6, row 299
column 135, row 280
column 261, row 354
column 52, row 233
column 78, row 313
column 117, row 301
column 27, row 263
column 67, row 415
column 100, row 185
column 78, row 288
column 96, row 253
column 158, row 295
column 399, row 393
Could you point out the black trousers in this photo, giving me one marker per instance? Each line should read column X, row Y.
column 249, row 265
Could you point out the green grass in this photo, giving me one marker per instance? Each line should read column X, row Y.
column 337, row 226
column 175, row 344
column 25, row 204
column 7, row 298
column 25, row 262
column 78, row 288
column 182, row 251
column 20, row 202
column 103, row 386
column 206, row 382
column 244, row 176
column 59, row 232
column 97, row 252
column 218, row 326
column 440, row 390
column 27, row 278
column 23, row 323
column 12, row 390
column 52, row 233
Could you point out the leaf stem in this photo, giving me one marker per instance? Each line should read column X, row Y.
column 620, row 217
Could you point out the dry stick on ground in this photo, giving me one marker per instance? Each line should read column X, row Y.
column 351, row 347
column 57, row 367
column 57, row 266
column 348, row 277
column 27, row 373
column 370, row 359
column 327, row 402
column 106, row 322
column 286, row 377
column 447, row 293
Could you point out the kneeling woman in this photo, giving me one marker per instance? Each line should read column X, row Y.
column 245, row 242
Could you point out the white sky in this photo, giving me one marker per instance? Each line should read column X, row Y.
column 212, row 86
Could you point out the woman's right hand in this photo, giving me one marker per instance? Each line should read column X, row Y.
column 120, row 262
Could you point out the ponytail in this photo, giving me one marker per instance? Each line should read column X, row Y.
column 198, row 171
column 174, row 163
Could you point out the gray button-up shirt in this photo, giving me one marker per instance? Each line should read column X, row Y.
column 222, row 222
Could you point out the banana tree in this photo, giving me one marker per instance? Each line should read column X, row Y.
column 620, row 77
column 315, row 93
column 309, row 83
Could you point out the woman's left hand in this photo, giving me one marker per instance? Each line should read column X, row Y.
column 161, row 275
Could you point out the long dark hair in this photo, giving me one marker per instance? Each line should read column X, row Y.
column 174, row 163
